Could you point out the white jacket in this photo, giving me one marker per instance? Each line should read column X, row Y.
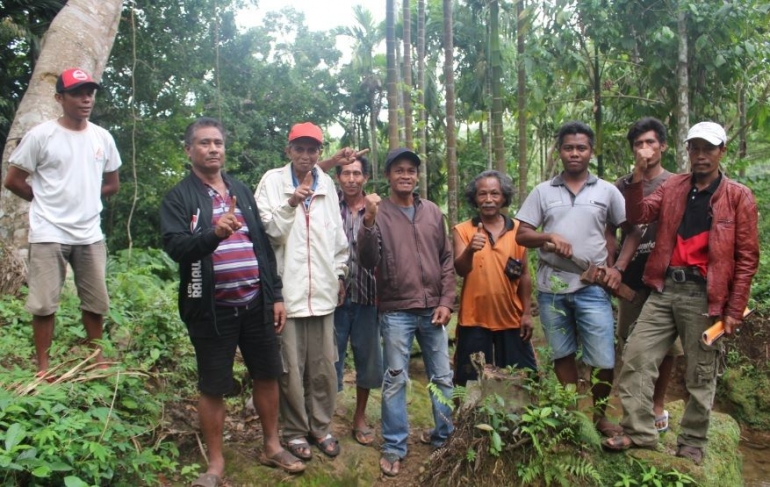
column 310, row 246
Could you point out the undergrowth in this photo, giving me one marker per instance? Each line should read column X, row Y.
column 91, row 426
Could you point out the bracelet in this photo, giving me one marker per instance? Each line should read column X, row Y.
column 618, row 269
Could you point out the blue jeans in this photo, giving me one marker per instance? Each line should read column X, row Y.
column 584, row 316
column 398, row 331
column 358, row 323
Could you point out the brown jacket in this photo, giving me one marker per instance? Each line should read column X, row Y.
column 413, row 259
column 733, row 254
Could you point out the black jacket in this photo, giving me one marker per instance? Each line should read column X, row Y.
column 189, row 238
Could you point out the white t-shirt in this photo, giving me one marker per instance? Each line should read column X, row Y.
column 66, row 169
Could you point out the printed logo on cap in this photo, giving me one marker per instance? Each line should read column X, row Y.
column 80, row 75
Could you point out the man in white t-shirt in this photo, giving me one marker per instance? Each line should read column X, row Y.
column 64, row 167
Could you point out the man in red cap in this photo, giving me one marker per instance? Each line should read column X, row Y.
column 299, row 207
column 64, row 167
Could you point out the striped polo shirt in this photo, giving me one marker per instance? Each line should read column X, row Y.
column 236, row 270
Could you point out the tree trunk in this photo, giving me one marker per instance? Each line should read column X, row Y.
column 407, row 26
column 421, row 98
column 598, row 119
column 81, row 35
column 683, row 94
column 496, row 81
column 451, row 138
column 390, row 46
column 521, row 93
column 742, row 146
column 373, row 132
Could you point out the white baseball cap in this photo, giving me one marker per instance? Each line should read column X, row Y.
column 708, row 131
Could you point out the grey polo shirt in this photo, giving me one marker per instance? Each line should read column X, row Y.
column 580, row 219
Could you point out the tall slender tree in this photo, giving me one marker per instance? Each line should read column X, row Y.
column 390, row 47
column 407, row 64
column 521, row 92
column 423, row 122
column 496, row 85
column 451, row 136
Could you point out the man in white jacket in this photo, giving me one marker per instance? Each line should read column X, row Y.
column 299, row 207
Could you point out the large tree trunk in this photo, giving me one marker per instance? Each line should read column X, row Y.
column 683, row 90
column 407, row 27
column 521, row 89
column 451, row 137
column 421, row 98
column 81, row 35
column 390, row 46
column 496, row 82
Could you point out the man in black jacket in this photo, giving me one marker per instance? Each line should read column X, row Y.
column 229, row 292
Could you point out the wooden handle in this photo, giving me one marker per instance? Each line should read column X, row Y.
column 549, row 247
column 715, row 331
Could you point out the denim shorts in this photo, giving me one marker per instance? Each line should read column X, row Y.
column 358, row 324
column 583, row 317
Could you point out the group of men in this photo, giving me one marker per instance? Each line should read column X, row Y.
column 291, row 273
column 690, row 248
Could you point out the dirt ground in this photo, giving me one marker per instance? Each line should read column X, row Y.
column 358, row 465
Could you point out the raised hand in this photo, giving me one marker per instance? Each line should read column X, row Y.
column 303, row 191
column 228, row 223
column 346, row 156
column 372, row 205
column 642, row 159
column 479, row 238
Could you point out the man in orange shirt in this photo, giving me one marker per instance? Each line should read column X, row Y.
column 496, row 296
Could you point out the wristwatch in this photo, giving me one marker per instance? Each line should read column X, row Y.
column 618, row 269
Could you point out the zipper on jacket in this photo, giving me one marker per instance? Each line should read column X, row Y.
column 419, row 258
column 309, row 267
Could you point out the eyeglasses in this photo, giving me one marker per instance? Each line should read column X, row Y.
column 309, row 150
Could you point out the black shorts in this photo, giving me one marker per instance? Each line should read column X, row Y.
column 501, row 348
column 246, row 328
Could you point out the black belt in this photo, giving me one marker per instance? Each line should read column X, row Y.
column 238, row 310
column 685, row 274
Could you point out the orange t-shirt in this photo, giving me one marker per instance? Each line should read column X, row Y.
column 489, row 299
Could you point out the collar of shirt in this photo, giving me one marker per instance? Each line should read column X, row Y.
column 711, row 188
column 559, row 181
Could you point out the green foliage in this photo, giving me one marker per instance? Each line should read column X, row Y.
column 542, row 436
column 94, row 427
column 649, row 476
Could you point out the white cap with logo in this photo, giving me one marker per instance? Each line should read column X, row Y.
column 709, row 131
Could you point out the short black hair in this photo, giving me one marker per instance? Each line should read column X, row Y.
column 364, row 166
column 506, row 185
column 645, row 125
column 574, row 128
column 189, row 132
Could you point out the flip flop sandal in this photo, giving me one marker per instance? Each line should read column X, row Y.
column 206, row 480
column 296, row 447
column 283, row 460
column 324, row 443
column 425, row 437
column 617, row 443
column 609, row 429
column 661, row 422
column 363, row 436
column 393, row 464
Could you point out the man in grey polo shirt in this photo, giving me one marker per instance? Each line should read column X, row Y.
column 573, row 209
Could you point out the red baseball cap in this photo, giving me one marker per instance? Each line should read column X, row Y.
column 74, row 78
column 306, row 129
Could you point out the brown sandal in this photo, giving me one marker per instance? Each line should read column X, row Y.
column 692, row 452
column 283, row 460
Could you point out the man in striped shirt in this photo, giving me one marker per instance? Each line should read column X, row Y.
column 229, row 292
column 356, row 319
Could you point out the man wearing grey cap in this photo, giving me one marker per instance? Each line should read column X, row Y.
column 71, row 164
column 404, row 238
column 706, row 253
